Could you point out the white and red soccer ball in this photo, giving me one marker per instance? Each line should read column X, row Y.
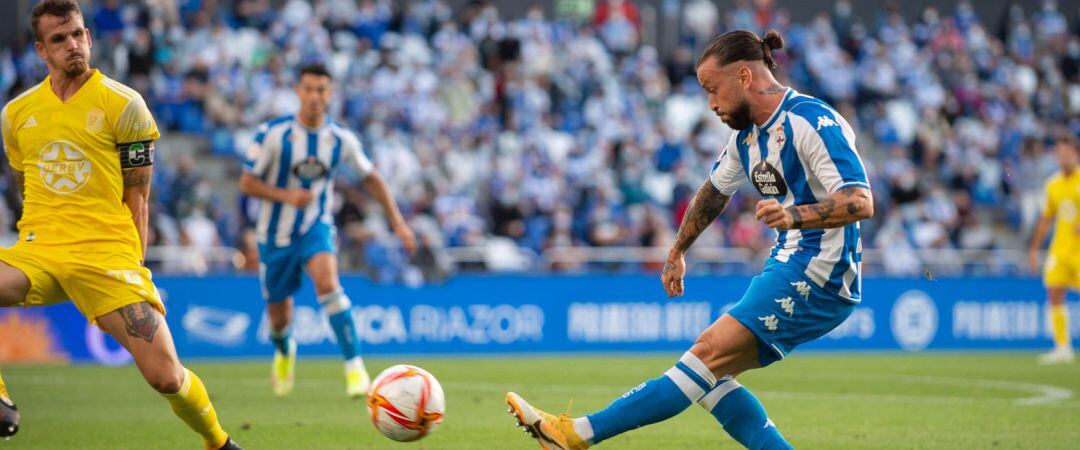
column 406, row 403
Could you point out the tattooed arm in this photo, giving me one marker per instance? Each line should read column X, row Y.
column 844, row 207
column 706, row 206
column 136, row 197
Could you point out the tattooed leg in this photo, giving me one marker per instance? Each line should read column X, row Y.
column 140, row 320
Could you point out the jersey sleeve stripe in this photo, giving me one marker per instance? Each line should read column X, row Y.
column 852, row 183
column 830, row 129
column 117, row 89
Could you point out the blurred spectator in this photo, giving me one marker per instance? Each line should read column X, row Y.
column 540, row 134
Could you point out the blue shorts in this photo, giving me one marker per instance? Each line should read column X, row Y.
column 783, row 308
column 281, row 269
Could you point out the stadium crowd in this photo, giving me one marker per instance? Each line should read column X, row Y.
column 532, row 132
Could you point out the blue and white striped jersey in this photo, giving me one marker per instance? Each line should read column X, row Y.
column 287, row 155
column 802, row 154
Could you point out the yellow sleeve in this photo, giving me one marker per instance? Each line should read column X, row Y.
column 11, row 147
column 1050, row 204
column 135, row 123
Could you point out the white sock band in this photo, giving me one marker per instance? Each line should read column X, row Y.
column 692, row 377
column 726, row 385
column 335, row 302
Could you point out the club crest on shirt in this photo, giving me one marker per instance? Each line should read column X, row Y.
column 780, row 138
column 310, row 169
column 767, row 180
column 94, row 120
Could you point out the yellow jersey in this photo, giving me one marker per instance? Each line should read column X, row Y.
column 1062, row 201
column 69, row 154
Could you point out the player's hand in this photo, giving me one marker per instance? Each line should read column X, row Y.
column 674, row 271
column 773, row 214
column 299, row 197
column 1033, row 261
column 408, row 239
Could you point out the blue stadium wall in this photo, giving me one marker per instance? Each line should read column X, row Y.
column 223, row 317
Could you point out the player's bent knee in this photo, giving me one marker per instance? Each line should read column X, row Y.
column 724, row 349
column 326, row 286
column 166, row 381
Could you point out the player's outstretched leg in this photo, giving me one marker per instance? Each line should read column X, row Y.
column 142, row 330
column 725, row 347
column 323, row 270
column 650, row 402
column 283, row 369
column 9, row 414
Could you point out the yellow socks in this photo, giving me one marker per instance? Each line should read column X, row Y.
column 1059, row 323
column 192, row 405
column 3, row 389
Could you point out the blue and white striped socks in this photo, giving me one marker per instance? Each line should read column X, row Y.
column 689, row 381
column 338, row 310
column 650, row 402
column 742, row 416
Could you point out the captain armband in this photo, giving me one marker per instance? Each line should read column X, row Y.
column 136, row 154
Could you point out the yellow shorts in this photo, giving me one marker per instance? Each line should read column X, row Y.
column 98, row 279
column 1061, row 272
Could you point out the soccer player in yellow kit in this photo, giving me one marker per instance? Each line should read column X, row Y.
column 1062, row 269
column 81, row 146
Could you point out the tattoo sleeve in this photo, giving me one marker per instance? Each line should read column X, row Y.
column 141, row 320
column 844, row 207
column 707, row 205
column 137, row 176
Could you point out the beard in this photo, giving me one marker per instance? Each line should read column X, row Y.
column 74, row 67
column 739, row 118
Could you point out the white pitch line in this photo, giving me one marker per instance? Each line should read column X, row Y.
column 1044, row 394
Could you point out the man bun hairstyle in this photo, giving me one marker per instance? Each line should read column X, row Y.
column 743, row 45
column 64, row 9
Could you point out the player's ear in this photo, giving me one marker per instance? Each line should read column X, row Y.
column 89, row 40
column 745, row 77
column 39, row 47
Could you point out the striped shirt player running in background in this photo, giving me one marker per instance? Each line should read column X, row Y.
column 1062, row 268
column 800, row 156
column 291, row 165
column 82, row 149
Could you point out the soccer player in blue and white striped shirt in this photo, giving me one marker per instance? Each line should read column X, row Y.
column 291, row 166
column 800, row 156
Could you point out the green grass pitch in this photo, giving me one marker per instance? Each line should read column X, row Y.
column 819, row 401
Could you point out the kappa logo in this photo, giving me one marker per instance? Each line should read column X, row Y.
column 30, row 123
column 803, row 288
column 749, row 141
column 770, row 321
column 768, row 423
column 787, row 304
column 823, row 121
